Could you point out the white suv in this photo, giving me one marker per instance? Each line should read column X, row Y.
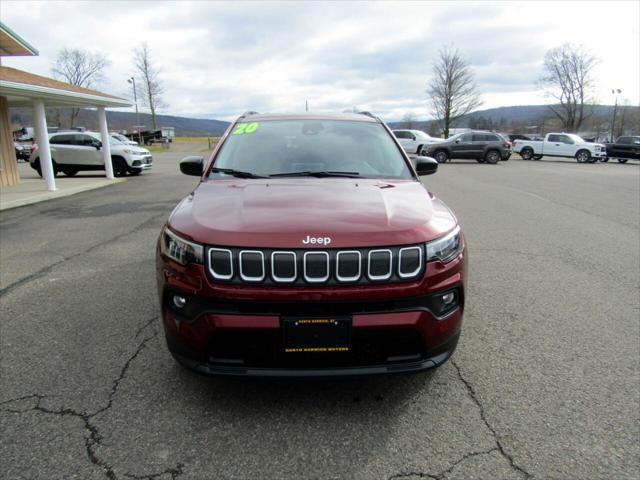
column 413, row 140
column 72, row 152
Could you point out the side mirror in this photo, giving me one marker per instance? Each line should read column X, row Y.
column 192, row 166
column 426, row 166
column 457, row 140
column 98, row 145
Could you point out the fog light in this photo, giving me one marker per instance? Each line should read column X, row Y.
column 179, row 301
column 448, row 298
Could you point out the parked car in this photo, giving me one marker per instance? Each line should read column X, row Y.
column 72, row 152
column 482, row 146
column 561, row 145
column 625, row 148
column 413, row 140
column 294, row 257
column 22, row 152
column 123, row 139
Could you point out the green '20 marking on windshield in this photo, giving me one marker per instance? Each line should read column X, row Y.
column 242, row 128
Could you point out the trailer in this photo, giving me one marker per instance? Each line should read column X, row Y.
column 149, row 137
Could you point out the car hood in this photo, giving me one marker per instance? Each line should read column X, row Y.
column 282, row 213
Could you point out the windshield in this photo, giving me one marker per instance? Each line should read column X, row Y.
column 289, row 146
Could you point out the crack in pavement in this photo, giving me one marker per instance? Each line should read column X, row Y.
column 440, row 476
column 44, row 270
column 174, row 472
column 472, row 393
column 94, row 438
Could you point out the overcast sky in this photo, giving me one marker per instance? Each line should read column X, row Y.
column 220, row 59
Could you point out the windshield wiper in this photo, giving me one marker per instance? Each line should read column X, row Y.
column 236, row 173
column 318, row 174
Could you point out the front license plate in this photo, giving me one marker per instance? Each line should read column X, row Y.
column 310, row 335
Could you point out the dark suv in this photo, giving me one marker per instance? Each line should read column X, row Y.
column 624, row 148
column 485, row 147
column 310, row 247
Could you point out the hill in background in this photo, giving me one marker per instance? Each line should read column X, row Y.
column 533, row 118
column 120, row 121
column 509, row 119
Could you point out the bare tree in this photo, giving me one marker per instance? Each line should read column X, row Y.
column 408, row 120
column 568, row 79
column 81, row 68
column 151, row 86
column 452, row 91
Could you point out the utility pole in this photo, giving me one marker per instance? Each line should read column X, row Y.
column 615, row 92
column 132, row 81
column 306, row 105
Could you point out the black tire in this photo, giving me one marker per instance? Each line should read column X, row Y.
column 39, row 170
column 505, row 159
column 441, row 156
column 135, row 172
column 120, row 167
column 492, row 156
column 537, row 157
column 623, row 160
column 527, row 153
column 604, row 159
column 70, row 172
column 583, row 156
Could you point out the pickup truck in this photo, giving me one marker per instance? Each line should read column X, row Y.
column 561, row 145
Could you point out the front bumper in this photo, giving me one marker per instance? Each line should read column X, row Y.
column 236, row 330
column 142, row 162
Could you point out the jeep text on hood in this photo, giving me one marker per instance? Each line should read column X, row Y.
column 311, row 248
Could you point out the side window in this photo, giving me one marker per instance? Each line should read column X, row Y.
column 83, row 140
column 61, row 140
column 493, row 138
column 554, row 138
column 625, row 140
column 566, row 139
column 400, row 134
column 467, row 137
column 478, row 137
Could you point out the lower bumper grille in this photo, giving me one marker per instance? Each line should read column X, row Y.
column 263, row 349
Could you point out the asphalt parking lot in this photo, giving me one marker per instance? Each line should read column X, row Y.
column 544, row 384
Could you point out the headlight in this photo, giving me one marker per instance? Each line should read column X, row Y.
column 179, row 249
column 446, row 248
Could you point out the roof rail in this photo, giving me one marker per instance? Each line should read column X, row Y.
column 368, row 114
column 249, row 112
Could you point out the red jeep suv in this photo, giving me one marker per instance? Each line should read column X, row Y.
column 311, row 248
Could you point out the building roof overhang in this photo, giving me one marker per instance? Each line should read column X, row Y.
column 22, row 88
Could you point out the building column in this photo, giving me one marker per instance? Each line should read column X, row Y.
column 42, row 138
column 106, row 145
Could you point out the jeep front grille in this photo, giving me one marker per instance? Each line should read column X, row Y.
column 315, row 267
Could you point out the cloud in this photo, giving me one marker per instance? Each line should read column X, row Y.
column 219, row 59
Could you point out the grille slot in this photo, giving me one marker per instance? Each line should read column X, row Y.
column 380, row 264
column 251, row 265
column 301, row 267
column 409, row 261
column 221, row 263
column 348, row 265
column 284, row 266
column 316, row 267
